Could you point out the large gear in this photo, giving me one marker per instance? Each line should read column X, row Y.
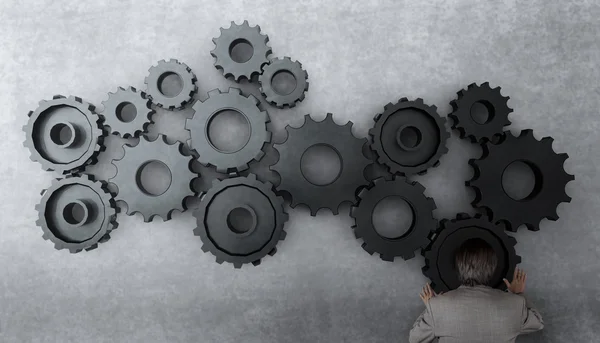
column 130, row 166
column 424, row 128
column 77, row 213
column 332, row 135
column 64, row 134
column 451, row 234
column 497, row 112
column 550, row 180
column 159, row 73
column 264, row 223
column 117, row 102
column 417, row 237
column 205, row 111
column 241, row 34
column 274, row 68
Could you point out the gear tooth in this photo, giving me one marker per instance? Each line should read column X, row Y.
column 386, row 107
column 237, row 265
column 214, row 92
column 432, row 204
column 256, row 263
column 404, row 99
column 486, row 84
column 368, row 249
column 219, row 260
column 512, row 240
column 407, row 256
column 273, row 252
column 361, row 194
column 235, row 90
column 472, row 85
column 282, row 235
column 379, row 180
column 462, row 215
column 387, row 258
column 532, row 227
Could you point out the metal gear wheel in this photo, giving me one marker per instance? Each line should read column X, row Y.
column 283, row 66
column 324, row 133
column 409, row 137
column 241, row 34
column 240, row 220
column 550, row 180
column 77, row 213
column 497, row 112
column 205, row 111
column 451, row 234
column 129, row 99
column 159, row 73
column 64, row 134
column 133, row 193
column 417, row 237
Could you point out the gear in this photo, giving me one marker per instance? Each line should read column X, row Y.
column 451, row 234
column 117, row 103
column 157, row 79
column 77, row 213
column 423, row 222
column 230, row 38
column 138, row 199
column 324, row 133
column 283, row 66
column 240, row 220
column 64, row 134
column 217, row 102
column 497, row 111
column 409, row 137
column 550, row 180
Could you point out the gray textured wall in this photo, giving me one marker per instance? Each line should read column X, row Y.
column 152, row 283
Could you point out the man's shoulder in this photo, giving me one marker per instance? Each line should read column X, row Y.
column 466, row 294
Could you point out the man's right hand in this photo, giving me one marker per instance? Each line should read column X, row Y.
column 517, row 285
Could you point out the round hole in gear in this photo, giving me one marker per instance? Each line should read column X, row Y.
column 228, row 131
column 61, row 134
column 126, row 112
column 170, row 84
column 521, row 180
column 154, row 178
column 283, row 82
column 392, row 217
column 321, row 164
column 409, row 137
column 74, row 213
column 482, row 112
column 241, row 220
column 241, row 50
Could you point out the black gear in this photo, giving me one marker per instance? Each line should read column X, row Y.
column 451, row 234
column 135, row 159
column 156, row 75
column 222, row 238
column 494, row 102
column 279, row 65
column 548, row 168
column 337, row 137
column 116, row 102
column 241, row 34
column 427, row 127
column 423, row 222
column 64, row 134
column 205, row 111
column 95, row 219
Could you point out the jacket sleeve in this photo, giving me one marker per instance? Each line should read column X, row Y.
column 423, row 328
column 531, row 319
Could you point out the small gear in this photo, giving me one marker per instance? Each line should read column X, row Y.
column 451, row 234
column 229, row 39
column 132, row 101
column 324, row 133
column 64, row 134
column 205, row 111
column 162, row 92
column 77, row 213
column 492, row 101
column 409, row 137
column 417, row 237
column 550, row 180
column 134, row 194
column 240, row 220
column 277, row 67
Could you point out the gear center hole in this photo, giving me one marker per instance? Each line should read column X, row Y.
column 154, row 178
column 241, row 50
column 392, row 217
column 62, row 134
column 228, row 131
column 283, row 82
column 241, row 220
column 521, row 180
column 482, row 112
column 321, row 164
column 75, row 213
column 126, row 112
column 170, row 84
column 409, row 137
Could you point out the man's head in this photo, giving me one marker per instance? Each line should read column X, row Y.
column 475, row 262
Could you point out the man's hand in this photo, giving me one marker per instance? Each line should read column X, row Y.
column 517, row 285
column 427, row 293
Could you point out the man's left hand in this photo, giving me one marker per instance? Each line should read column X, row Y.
column 427, row 293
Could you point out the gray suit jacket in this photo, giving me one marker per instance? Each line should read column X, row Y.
column 475, row 314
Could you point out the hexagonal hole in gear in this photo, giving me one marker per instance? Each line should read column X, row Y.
column 126, row 112
column 153, row 178
column 392, row 217
column 241, row 51
column 170, row 84
column 321, row 164
column 482, row 112
column 521, row 180
column 283, row 82
column 228, row 131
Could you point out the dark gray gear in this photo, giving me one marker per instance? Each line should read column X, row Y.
column 77, row 213
column 343, row 142
column 236, row 34
column 135, row 159
column 64, row 134
column 117, row 102
column 285, row 65
column 216, row 218
column 205, row 111
column 157, row 74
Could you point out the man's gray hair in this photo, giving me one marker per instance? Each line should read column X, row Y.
column 475, row 262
